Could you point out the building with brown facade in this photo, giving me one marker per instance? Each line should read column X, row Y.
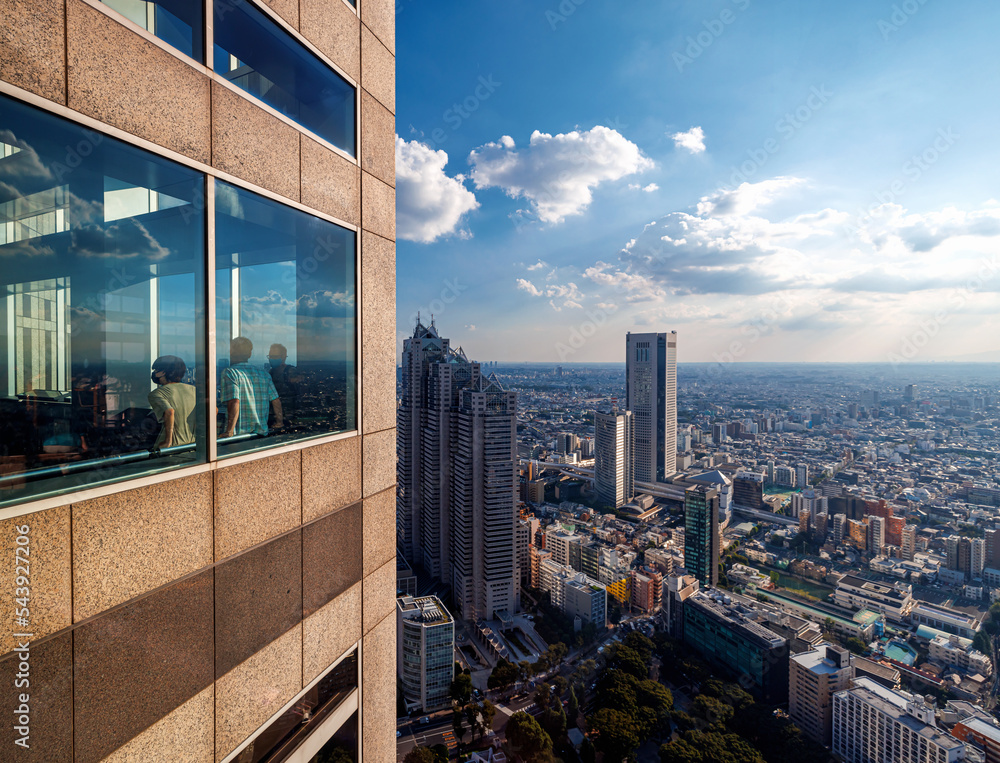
column 197, row 394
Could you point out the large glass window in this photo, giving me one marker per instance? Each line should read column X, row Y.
column 177, row 22
column 256, row 54
column 285, row 322
column 102, row 261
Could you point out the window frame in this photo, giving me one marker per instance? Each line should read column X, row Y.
column 43, row 502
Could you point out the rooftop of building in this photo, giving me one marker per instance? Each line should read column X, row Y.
column 872, row 586
column 926, row 608
column 894, row 704
column 723, row 608
column 816, row 660
column 982, row 727
column 428, row 609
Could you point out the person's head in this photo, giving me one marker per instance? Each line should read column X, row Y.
column 277, row 355
column 240, row 350
column 168, row 369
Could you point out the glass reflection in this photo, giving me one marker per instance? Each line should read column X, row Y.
column 102, row 247
column 285, row 322
column 257, row 55
column 176, row 22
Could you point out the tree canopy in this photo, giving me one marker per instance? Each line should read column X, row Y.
column 528, row 739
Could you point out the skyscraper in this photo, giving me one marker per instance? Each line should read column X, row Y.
column 457, row 477
column 651, row 396
column 701, row 533
column 614, row 479
column 425, row 649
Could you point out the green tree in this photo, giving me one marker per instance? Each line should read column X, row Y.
column 588, row 754
column 441, row 753
column 420, row 755
column 856, row 645
column 982, row 642
column 461, row 689
column 775, row 577
column 457, row 725
column 553, row 721
column 543, row 696
column 628, row 660
column 572, row 708
column 503, row 675
column 713, row 710
column 527, row 739
column 487, row 711
column 615, row 732
column 642, row 644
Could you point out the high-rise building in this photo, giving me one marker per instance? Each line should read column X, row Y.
column 909, row 542
column 977, row 557
column 992, row 550
column 876, row 535
column 839, row 528
column 701, row 533
column 802, row 475
column 748, row 490
column 872, row 722
column 647, row 589
column 456, row 447
column 911, row 393
column 199, row 227
column 425, row 638
column 614, row 479
column 651, row 394
column 813, row 678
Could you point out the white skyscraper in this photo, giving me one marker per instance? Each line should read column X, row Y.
column 909, row 539
column 651, row 396
column 613, row 475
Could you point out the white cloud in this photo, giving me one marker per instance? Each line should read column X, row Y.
column 470, row 327
column 538, row 265
column 693, row 140
column 560, row 295
column 747, row 197
column 429, row 204
column 557, row 174
column 651, row 187
column 529, row 287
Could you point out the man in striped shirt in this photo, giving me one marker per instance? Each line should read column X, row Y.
column 248, row 393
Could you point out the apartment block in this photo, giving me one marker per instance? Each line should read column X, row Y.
column 197, row 407
column 425, row 639
column 813, row 678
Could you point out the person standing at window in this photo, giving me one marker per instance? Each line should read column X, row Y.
column 173, row 402
column 286, row 381
column 248, row 393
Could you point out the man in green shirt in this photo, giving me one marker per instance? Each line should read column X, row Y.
column 173, row 402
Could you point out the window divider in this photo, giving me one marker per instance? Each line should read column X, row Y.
column 211, row 382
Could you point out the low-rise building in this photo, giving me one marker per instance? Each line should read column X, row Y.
column 956, row 651
column 894, row 601
column 951, row 621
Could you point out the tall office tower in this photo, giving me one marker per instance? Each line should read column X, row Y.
column 813, row 678
column 456, row 448
column 909, row 544
column 853, row 411
column 719, row 433
column 876, row 535
column 911, row 393
column 484, row 500
column 614, row 479
column 871, row 722
column 567, row 442
column 870, row 399
column 425, row 638
column 701, row 533
column 181, row 193
column 651, row 395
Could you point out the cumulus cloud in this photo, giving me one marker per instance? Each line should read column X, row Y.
column 429, row 204
column 559, row 295
column 693, row 140
column 124, row 239
column 538, row 265
column 529, row 287
column 557, row 173
column 645, row 188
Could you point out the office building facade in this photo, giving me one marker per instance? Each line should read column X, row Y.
column 651, row 395
column 614, row 478
column 197, row 400
column 425, row 639
column 701, row 533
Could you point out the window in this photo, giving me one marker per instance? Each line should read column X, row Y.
column 177, row 22
column 285, row 323
column 256, row 54
column 102, row 281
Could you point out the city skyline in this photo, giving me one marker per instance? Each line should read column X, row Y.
column 826, row 203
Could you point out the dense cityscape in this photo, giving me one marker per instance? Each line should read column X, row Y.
column 796, row 561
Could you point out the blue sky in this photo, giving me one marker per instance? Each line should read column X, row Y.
column 776, row 181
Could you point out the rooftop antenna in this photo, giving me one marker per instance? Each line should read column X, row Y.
column 432, row 320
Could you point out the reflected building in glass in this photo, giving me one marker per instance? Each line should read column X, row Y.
column 196, row 421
